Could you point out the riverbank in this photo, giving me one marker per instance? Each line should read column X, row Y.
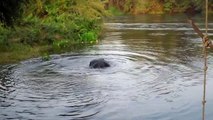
column 157, row 6
column 160, row 70
column 55, row 26
column 51, row 25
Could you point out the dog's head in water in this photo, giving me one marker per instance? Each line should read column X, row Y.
column 99, row 63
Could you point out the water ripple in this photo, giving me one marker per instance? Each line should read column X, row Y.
column 151, row 26
column 155, row 74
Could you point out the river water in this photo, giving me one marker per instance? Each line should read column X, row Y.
column 156, row 73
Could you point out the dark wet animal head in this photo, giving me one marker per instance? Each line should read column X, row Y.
column 99, row 63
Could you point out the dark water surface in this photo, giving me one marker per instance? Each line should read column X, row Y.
column 156, row 73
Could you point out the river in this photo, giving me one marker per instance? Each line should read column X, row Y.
column 156, row 73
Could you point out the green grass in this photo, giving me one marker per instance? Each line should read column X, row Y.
column 114, row 11
column 51, row 26
column 18, row 52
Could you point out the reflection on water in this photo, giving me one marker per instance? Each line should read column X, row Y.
column 155, row 74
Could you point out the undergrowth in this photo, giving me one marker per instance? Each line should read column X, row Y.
column 58, row 24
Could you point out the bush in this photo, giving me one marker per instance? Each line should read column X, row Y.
column 45, row 22
column 88, row 36
column 4, row 34
column 68, row 19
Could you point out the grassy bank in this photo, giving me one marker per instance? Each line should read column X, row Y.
column 42, row 27
column 156, row 6
column 50, row 25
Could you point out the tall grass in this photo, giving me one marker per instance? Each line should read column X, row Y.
column 50, row 21
column 68, row 20
column 59, row 24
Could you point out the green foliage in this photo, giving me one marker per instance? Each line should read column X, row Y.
column 137, row 6
column 182, row 5
column 4, row 34
column 58, row 24
column 59, row 44
column 168, row 5
column 156, row 6
column 47, row 21
column 46, row 57
column 88, row 36
column 114, row 11
column 64, row 19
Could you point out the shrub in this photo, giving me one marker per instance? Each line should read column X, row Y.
column 4, row 34
column 63, row 19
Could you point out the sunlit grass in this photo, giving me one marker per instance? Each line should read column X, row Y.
column 51, row 26
column 114, row 11
column 18, row 52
